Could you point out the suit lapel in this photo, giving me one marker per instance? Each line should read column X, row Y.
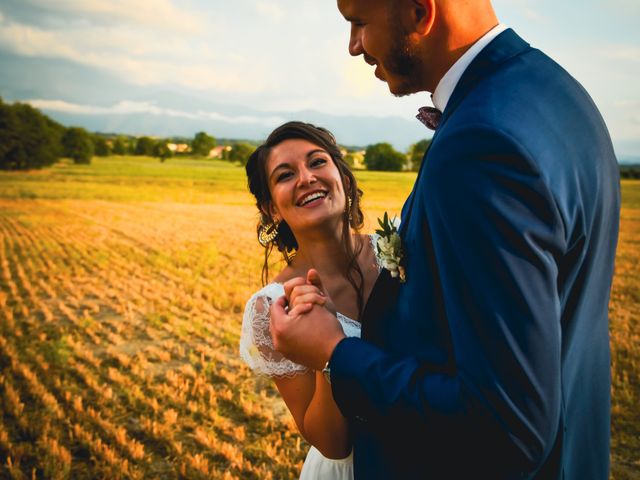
column 502, row 48
column 408, row 204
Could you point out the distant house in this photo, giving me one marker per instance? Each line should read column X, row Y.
column 355, row 158
column 219, row 152
column 179, row 147
column 358, row 161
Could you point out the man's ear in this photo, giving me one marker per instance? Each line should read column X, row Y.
column 423, row 14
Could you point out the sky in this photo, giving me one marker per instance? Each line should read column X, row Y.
column 88, row 56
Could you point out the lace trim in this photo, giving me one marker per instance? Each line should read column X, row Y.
column 256, row 346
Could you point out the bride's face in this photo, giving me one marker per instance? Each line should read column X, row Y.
column 305, row 185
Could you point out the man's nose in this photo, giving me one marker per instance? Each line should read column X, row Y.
column 355, row 42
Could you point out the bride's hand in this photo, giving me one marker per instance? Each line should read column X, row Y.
column 303, row 294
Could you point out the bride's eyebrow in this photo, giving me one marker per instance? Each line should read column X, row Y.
column 280, row 166
column 316, row 150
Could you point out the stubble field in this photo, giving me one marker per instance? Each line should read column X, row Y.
column 122, row 286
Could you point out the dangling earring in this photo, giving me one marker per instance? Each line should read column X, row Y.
column 349, row 204
column 267, row 232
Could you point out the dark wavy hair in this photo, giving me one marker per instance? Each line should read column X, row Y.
column 286, row 242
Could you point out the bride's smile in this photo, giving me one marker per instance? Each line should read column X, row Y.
column 312, row 199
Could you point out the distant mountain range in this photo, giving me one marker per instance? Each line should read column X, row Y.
column 171, row 115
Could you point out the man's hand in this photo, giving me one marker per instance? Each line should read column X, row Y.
column 307, row 333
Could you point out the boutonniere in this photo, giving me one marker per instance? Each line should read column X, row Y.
column 389, row 245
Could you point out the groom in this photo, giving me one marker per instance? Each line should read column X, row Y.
column 492, row 360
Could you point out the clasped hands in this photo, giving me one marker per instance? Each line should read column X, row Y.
column 304, row 327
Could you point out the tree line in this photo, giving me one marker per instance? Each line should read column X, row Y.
column 29, row 139
column 630, row 171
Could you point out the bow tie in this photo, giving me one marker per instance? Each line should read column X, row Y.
column 429, row 116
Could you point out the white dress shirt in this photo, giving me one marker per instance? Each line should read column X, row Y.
column 448, row 83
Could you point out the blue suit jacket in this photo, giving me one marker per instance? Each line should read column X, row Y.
column 492, row 360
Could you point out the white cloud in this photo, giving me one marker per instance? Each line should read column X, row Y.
column 125, row 107
column 270, row 120
column 128, row 107
column 270, row 10
column 622, row 118
column 141, row 58
column 526, row 9
column 359, row 80
column 627, row 104
column 629, row 7
column 625, row 53
column 25, row 40
column 156, row 14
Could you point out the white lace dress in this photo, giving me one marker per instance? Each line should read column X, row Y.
column 256, row 348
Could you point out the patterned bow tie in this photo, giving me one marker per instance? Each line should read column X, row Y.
column 429, row 116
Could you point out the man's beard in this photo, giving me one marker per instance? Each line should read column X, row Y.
column 403, row 62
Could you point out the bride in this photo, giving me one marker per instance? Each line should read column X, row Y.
column 309, row 206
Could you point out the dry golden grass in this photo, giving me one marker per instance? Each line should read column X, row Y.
column 624, row 329
column 118, row 352
column 119, row 324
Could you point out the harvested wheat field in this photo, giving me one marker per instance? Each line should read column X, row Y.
column 122, row 286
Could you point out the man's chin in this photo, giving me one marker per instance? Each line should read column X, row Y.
column 398, row 86
column 402, row 90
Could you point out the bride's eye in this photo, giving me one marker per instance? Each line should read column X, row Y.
column 318, row 162
column 283, row 176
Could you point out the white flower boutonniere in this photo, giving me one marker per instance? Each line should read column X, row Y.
column 389, row 245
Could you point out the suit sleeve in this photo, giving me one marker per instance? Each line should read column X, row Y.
column 497, row 236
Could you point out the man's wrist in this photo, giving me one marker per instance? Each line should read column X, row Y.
column 326, row 370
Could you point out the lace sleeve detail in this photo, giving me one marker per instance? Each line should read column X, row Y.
column 256, row 346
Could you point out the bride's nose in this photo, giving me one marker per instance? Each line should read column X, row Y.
column 306, row 177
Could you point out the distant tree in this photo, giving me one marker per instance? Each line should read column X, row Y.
column 120, row 145
column 240, row 152
column 28, row 139
column 202, row 143
column 382, row 156
column 132, row 144
column 55, row 132
column 416, row 153
column 100, row 146
column 144, row 146
column 77, row 145
column 162, row 151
